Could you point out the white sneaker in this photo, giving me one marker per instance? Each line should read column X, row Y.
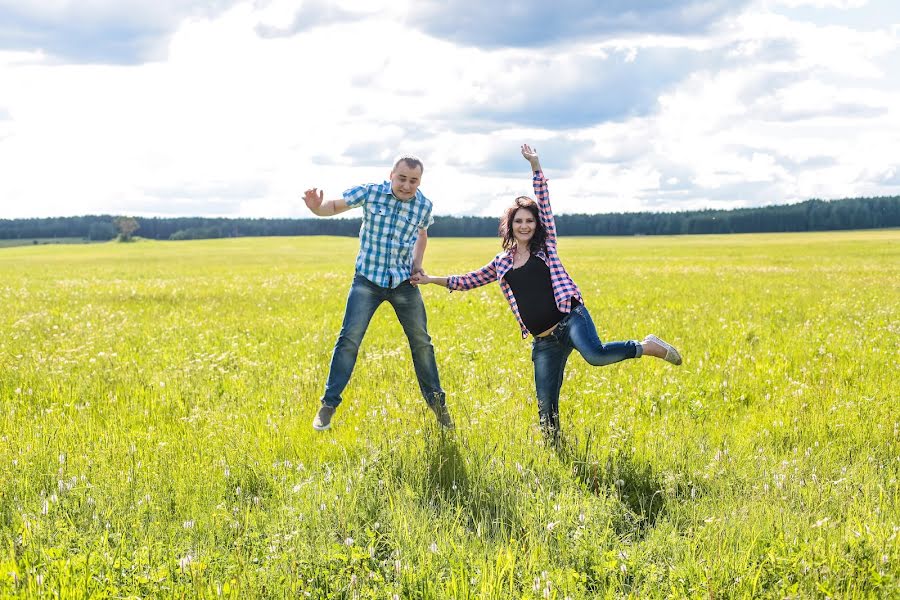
column 672, row 354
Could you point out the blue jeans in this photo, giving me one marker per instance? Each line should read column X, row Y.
column 364, row 298
column 576, row 331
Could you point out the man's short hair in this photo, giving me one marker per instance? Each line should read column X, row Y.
column 412, row 161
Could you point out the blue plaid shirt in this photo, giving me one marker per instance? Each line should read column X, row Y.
column 390, row 228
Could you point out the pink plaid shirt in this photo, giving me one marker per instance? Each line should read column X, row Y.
column 564, row 289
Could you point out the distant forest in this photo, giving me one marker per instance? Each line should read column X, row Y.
column 812, row 215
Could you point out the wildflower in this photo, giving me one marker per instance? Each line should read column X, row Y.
column 433, row 547
column 551, row 525
column 185, row 561
column 348, row 541
column 188, row 524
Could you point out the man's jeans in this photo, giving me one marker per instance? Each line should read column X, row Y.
column 364, row 298
column 576, row 331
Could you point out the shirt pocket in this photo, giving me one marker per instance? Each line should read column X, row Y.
column 410, row 220
column 408, row 226
column 376, row 210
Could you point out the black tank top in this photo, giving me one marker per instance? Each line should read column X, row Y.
column 533, row 291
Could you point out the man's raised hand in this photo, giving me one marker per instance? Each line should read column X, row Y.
column 313, row 198
column 529, row 153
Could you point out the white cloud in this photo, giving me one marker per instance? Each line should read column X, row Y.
column 841, row 4
column 231, row 122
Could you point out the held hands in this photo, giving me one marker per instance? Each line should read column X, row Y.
column 419, row 277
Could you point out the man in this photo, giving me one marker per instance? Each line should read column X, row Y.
column 392, row 244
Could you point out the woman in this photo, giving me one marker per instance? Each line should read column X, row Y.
column 545, row 300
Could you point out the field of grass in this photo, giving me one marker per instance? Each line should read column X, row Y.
column 156, row 400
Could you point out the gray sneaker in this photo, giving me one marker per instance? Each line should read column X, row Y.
column 442, row 414
column 323, row 418
column 672, row 354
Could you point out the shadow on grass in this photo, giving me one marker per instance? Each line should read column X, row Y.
column 470, row 490
column 633, row 483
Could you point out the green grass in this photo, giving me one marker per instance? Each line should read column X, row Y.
column 156, row 400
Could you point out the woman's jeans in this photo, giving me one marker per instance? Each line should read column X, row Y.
column 576, row 331
column 364, row 298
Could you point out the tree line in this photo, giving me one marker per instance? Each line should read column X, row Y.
column 811, row 215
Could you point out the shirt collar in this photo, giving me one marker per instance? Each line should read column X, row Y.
column 386, row 189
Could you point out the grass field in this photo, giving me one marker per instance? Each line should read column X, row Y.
column 156, row 400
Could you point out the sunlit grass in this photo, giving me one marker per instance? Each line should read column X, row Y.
column 155, row 435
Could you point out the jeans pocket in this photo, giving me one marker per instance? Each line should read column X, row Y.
column 563, row 325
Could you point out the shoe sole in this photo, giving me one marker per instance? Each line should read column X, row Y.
column 325, row 428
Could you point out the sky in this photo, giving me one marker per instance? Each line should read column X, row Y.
column 234, row 108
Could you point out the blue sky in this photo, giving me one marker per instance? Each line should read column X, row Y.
column 229, row 108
